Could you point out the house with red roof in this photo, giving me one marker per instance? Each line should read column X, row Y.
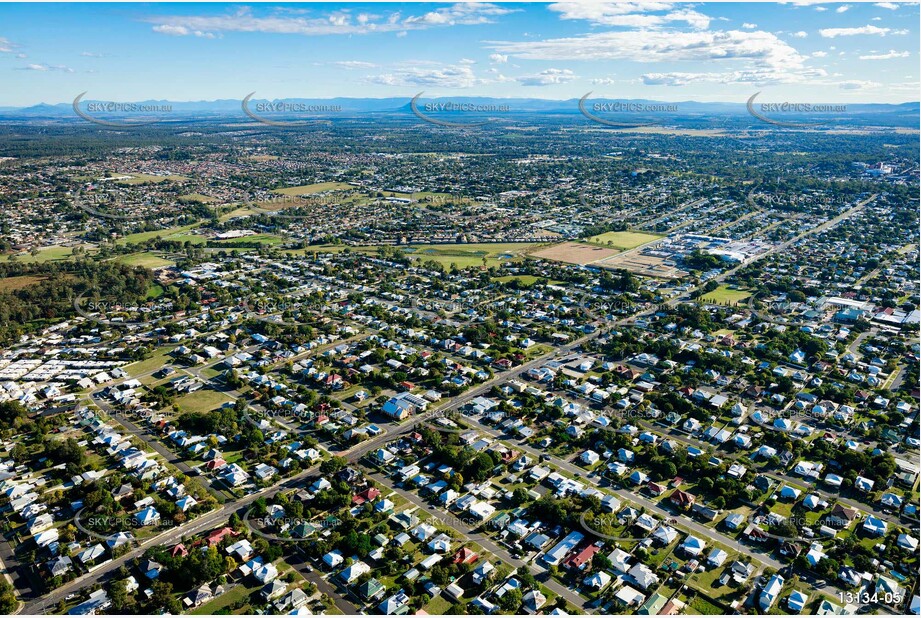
column 366, row 496
column 583, row 557
column 464, row 555
column 219, row 535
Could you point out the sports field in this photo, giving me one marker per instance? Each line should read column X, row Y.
column 315, row 188
column 624, row 240
column 461, row 255
column 724, row 295
column 146, row 259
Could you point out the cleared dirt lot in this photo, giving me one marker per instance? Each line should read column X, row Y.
column 575, row 253
column 649, row 265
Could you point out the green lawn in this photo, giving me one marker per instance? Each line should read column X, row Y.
column 50, row 254
column 196, row 197
column 624, row 240
column 173, row 233
column 136, row 179
column 724, row 295
column 237, row 593
column 462, row 255
column 203, row 400
column 315, row 188
column 522, row 279
column 145, row 259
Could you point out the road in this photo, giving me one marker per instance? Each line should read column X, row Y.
column 221, row 515
column 460, row 524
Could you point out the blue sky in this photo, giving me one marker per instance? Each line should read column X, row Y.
column 798, row 51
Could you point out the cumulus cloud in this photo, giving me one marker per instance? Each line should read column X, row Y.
column 856, row 84
column 547, row 77
column 355, row 64
column 759, row 49
column 498, row 58
column 631, row 14
column 47, row 67
column 830, row 33
column 748, row 26
column 732, row 77
column 441, row 77
column 338, row 22
column 887, row 56
column 174, row 30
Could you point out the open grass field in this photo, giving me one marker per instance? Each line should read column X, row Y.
column 315, row 188
column 522, row 279
column 574, row 253
column 237, row 593
column 137, row 179
column 17, row 283
column 461, row 255
column 724, row 295
column 203, row 400
column 145, row 259
column 180, row 233
column 196, row 197
column 266, row 239
column 50, row 254
column 624, row 240
column 466, row 255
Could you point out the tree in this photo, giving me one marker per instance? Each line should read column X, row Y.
column 121, row 600
column 511, row 600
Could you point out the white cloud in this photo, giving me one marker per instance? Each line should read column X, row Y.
column 800, row 35
column 90, row 55
column 547, row 77
column 748, row 26
column 887, row 5
column 856, row 84
column 339, row 22
column 498, row 58
column 603, row 81
column 830, row 33
column 174, row 30
column 6, row 46
column 439, row 77
column 888, row 56
column 47, row 67
column 732, row 77
column 355, row 64
column 819, row 54
column 843, row 8
column 631, row 14
column 466, row 61
column 760, row 49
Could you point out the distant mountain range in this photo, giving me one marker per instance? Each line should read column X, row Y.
column 903, row 114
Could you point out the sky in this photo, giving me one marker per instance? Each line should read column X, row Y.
column 799, row 51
